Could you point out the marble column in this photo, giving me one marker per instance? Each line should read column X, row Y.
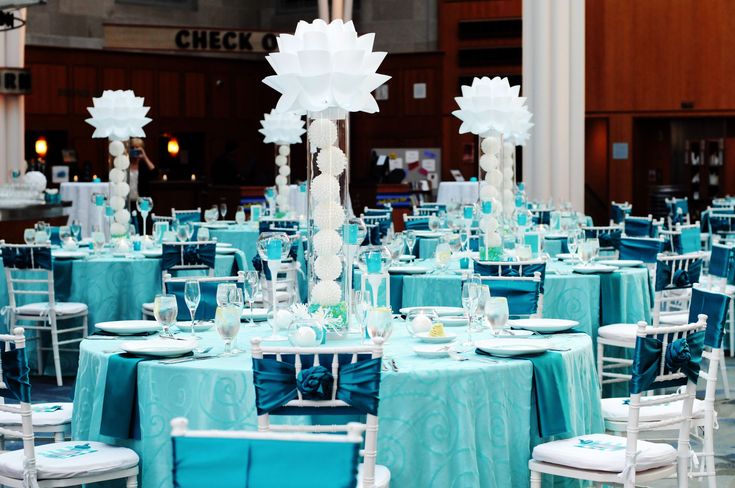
column 553, row 81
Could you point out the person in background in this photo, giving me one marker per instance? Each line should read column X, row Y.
column 225, row 170
column 142, row 169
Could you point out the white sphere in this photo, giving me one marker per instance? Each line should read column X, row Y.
column 486, row 191
column 281, row 180
column 508, row 195
column 326, row 293
column 489, row 223
column 508, row 175
column 328, row 267
column 329, row 215
column 282, row 319
column 118, row 229
column 326, row 242
column 493, row 240
column 490, row 145
column 508, row 161
column 495, row 177
column 488, row 162
column 120, row 189
column 331, row 160
column 497, row 207
column 35, row 181
column 322, row 133
column 508, row 149
column 281, row 200
column 117, row 175
column 284, row 150
column 116, row 148
column 122, row 216
column 325, row 187
column 117, row 203
column 281, row 160
column 284, row 170
column 122, row 161
column 284, row 189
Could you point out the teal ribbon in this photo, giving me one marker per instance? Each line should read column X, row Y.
column 193, row 254
column 15, row 374
column 638, row 227
column 645, row 250
column 715, row 306
column 682, row 278
column 276, row 384
column 511, row 269
column 120, row 409
column 682, row 355
column 417, row 224
column 27, row 258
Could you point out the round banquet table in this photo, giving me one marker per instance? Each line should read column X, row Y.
column 243, row 237
column 82, row 209
column 441, row 422
column 592, row 299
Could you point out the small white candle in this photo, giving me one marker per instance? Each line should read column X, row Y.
column 193, row 177
column 76, row 178
column 165, row 177
column 421, row 323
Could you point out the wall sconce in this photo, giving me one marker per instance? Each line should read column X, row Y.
column 41, row 147
column 173, row 147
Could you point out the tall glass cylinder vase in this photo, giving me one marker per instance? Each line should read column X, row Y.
column 283, row 177
column 328, row 179
column 491, row 194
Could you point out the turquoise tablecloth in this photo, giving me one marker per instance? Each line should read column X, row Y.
column 442, row 423
column 242, row 237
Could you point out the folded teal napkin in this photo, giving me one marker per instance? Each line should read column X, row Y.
column 120, row 411
column 549, row 395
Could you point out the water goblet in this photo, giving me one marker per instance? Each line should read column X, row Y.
column 29, row 236
column 240, row 215
column 98, row 240
column 470, row 296
column 496, row 312
column 210, row 215
column 252, row 279
column 443, row 255
column 223, row 294
column 434, row 223
column 379, row 323
column 64, row 234
column 76, row 230
column 192, row 296
column 183, row 231
column 165, row 310
column 223, row 209
column 227, row 323
column 410, row 238
column 144, row 205
column 202, row 234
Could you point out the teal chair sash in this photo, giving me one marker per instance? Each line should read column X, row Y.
column 715, row 306
column 207, row 301
column 644, row 249
column 721, row 260
column 417, row 224
column 264, row 463
column 638, row 227
column 562, row 240
column 512, row 269
column 276, row 383
column 607, row 239
column 522, row 295
column 541, row 217
column 682, row 278
column 681, row 355
column 185, row 217
column 678, row 210
column 689, row 240
column 618, row 213
column 27, row 257
column 188, row 255
column 15, row 373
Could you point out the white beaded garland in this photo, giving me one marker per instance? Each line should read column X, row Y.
column 495, row 177
column 284, row 150
column 284, row 170
column 326, row 293
column 493, row 240
column 327, row 241
column 117, row 229
column 117, row 175
column 322, row 133
column 328, row 267
column 116, row 148
column 121, row 189
column 281, row 200
column 331, row 160
column 281, row 180
column 281, row 160
column 122, row 161
column 490, row 145
column 489, row 162
column 325, row 187
column 117, row 203
column 122, row 216
column 329, row 215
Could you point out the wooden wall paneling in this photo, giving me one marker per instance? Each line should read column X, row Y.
column 115, row 79
column 84, row 87
column 143, row 83
column 420, row 106
column 620, row 172
column 596, row 169
column 169, row 94
column 50, row 87
column 195, row 95
column 221, row 94
column 245, row 99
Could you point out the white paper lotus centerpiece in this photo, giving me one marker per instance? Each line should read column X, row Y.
column 519, row 127
column 118, row 115
column 282, row 127
column 488, row 105
column 324, row 66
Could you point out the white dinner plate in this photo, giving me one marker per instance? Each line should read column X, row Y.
column 621, row 263
column 506, row 348
column 543, row 325
column 259, row 314
column 440, row 311
column 593, row 268
column 458, row 321
column 510, row 333
column 409, row 269
column 565, row 256
column 428, row 351
column 427, row 234
column 200, row 326
column 69, row 254
column 128, row 327
column 226, row 250
column 425, row 337
column 152, row 253
column 159, row 347
column 406, row 257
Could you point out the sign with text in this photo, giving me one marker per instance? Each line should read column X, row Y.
column 188, row 39
column 15, row 81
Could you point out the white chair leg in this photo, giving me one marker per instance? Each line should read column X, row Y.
column 132, row 482
column 723, row 374
column 58, row 437
column 535, row 479
column 55, row 348
column 85, row 324
column 600, row 350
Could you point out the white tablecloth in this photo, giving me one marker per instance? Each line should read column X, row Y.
column 82, row 209
column 457, row 191
column 297, row 200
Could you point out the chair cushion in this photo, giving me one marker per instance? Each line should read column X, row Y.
column 60, row 461
column 44, row 414
column 62, row 308
column 624, row 332
column 679, row 318
column 603, row 452
column 616, row 409
column 148, row 307
column 382, row 476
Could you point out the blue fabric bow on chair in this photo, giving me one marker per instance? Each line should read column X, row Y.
column 607, row 239
column 682, row 355
column 511, row 270
column 682, row 278
column 15, row 374
column 522, row 296
column 27, row 257
column 644, row 249
column 618, row 213
column 276, row 384
column 188, row 255
column 417, row 224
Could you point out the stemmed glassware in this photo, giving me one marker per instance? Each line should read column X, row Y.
column 29, row 236
column 183, row 231
column 223, row 210
column 192, row 296
column 227, row 323
column 443, row 255
column 434, row 223
column 144, row 205
column 496, row 312
column 98, row 239
column 159, row 229
column 240, row 215
column 252, row 280
column 409, row 237
column 379, row 322
column 470, row 296
column 165, row 310
column 76, row 230
column 210, row 215
column 65, row 235
column 361, row 302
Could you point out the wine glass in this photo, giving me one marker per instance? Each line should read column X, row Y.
column 470, row 295
column 433, row 223
column 165, row 311
column 223, row 209
column 443, row 255
column 409, row 237
column 183, row 231
column 192, row 295
column 252, row 278
column 76, row 230
column 496, row 312
column 594, row 248
column 98, row 240
column 585, row 252
column 455, row 242
column 227, row 323
column 572, row 243
column 144, row 205
column 223, row 294
column 210, row 215
column 361, row 302
column 240, row 215
column 64, row 234
column 29, row 236
column 202, row 234
column 379, row 322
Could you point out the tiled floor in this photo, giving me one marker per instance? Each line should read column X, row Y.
column 45, row 390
